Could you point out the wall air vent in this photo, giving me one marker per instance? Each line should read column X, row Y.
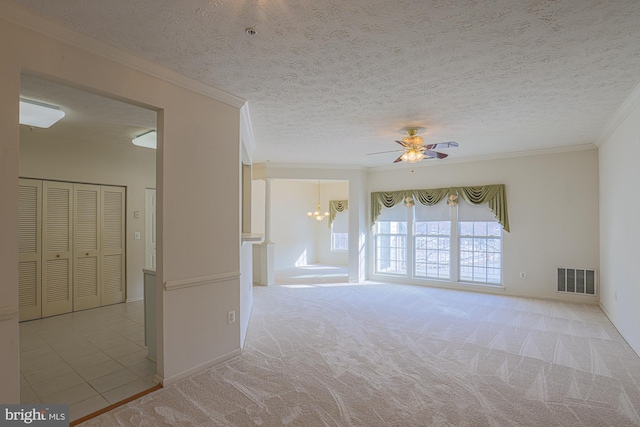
column 580, row 281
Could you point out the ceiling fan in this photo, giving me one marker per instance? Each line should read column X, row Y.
column 414, row 149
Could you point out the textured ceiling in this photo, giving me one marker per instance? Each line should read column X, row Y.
column 330, row 80
column 89, row 119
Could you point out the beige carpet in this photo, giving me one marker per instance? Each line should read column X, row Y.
column 395, row 355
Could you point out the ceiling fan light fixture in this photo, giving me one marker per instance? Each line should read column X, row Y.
column 412, row 155
column 413, row 139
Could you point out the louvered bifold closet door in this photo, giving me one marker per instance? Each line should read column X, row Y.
column 30, row 241
column 86, row 247
column 57, row 233
column 113, row 245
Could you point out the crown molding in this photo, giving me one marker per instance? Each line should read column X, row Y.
column 45, row 26
column 450, row 161
column 620, row 115
column 262, row 168
column 277, row 165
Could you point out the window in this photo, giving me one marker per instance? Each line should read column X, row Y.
column 339, row 241
column 391, row 247
column 340, row 232
column 432, row 246
column 432, row 241
column 462, row 244
column 480, row 251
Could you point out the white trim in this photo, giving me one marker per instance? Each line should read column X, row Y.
column 262, row 169
column 441, row 284
column 172, row 285
column 23, row 17
column 276, row 165
column 620, row 115
column 184, row 374
column 128, row 300
column 246, row 132
column 8, row 312
column 449, row 161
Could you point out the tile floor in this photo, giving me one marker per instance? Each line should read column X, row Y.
column 88, row 359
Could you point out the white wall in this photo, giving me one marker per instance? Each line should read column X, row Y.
column 553, row 211
column 620, row 227
column 324, row 254
column 198, row 167
column 292, row 232
column 132, row 167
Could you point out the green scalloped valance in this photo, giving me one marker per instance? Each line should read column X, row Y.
column 336, row 206
column 494, row 195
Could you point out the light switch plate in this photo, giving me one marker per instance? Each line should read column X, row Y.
column 136, row 235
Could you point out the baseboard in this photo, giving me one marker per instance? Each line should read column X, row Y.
column 134, row 299
column 184, row 374
column 619, row 329
column 488, row 289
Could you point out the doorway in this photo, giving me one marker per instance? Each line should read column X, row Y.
column 90, row 358
column 306, row 250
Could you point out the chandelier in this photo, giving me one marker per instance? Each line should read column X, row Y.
column 317, row 215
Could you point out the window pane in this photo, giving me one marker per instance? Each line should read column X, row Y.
column 391, row 242
column 480, row 255
column 493, row 245
column 445, row 228
column 339, row 241
column 432, row 228
column 466, row 228
column 479, row 245
column 495, row 229
column 431, row 249
column 466, row 244
column 479, row 228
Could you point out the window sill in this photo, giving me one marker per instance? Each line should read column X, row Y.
column 438, row 283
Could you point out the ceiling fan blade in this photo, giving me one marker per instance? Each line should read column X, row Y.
column 383, row 152
column 431, row 153
column 442, row 145
column 404, row 144
column 399, row 159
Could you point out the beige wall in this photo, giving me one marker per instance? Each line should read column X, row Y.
column 293, row 234
column 553, row 212
column 198, row 167
column 620, row 227
column 131, row 167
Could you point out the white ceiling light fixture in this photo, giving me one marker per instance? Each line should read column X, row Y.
column 147, row 140
column 39, row 114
